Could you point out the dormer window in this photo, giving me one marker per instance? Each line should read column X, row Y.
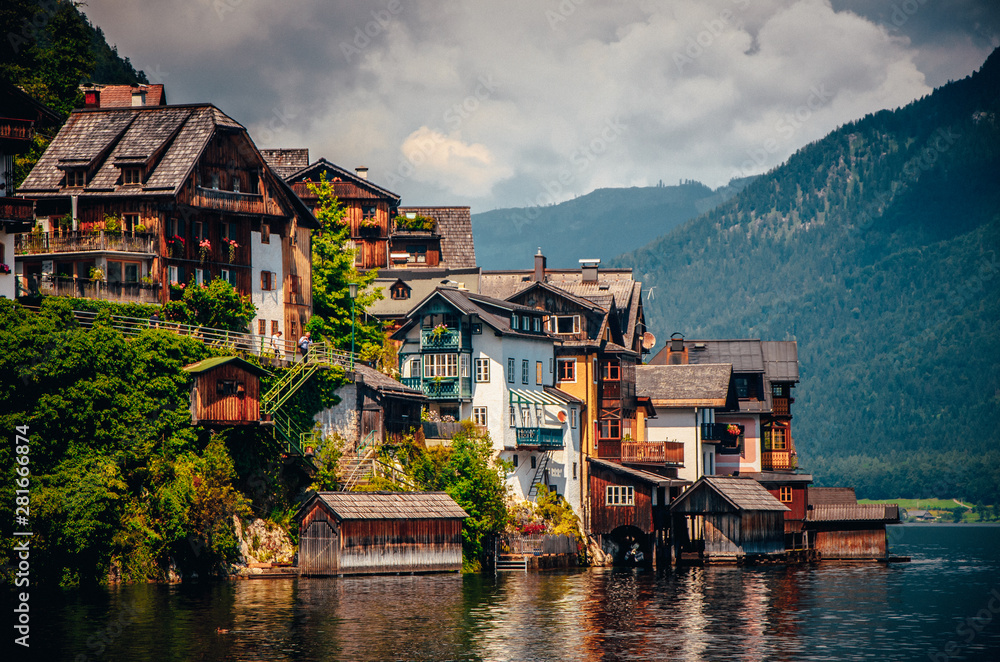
column 399, row 291
column 131, row 176
column 76, row 178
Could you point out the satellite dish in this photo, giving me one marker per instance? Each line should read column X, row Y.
column 648, row 340
column 562, row 417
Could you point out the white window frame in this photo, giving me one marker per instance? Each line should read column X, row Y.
column 510, row 371
column 572, row 417
column 482, row 371
column 619, row 495
column 479, row 416
column 463, row 361
column 513, row 417
column 172, row 274
column 554, row 324
column 440, row 365
column 524, row 371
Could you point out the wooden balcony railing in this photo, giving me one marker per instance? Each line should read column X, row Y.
column 653, row 452
column 233, row 202
column 778, row 461
column 88, row 289
column 779, row 406
column 36, row 243
column 16, row 129
column 17, row 209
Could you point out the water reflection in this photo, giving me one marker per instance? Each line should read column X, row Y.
column 823, row 612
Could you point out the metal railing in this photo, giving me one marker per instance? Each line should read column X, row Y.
column 36, row 243
column 431, row 340
column 86, row 288
column 441, row 388
column 541, row 437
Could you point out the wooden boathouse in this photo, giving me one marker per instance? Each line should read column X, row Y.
column 348, row 533
column 226, row 391
column 727, row 519
column 843, row 529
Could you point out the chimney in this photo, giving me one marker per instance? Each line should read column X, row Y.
column 92, row 98
column 539, row 266
column 676, row 352
column 362, row 172
column 588, row 268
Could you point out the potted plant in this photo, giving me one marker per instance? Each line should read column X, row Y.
column 176, row 245
column 112, row 224
column 368, row 226
column 733, row 430
column 4, row 268
column 231, row 247
column 96, row 274
column 204, row 249
column 439, row 332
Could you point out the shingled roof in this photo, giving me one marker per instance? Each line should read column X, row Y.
column 684, row 385
column 857, row 512
column 286, row 162
column 825, row 496
column 391, row 505
column 454, row 225
column 386, row 384
column 493, row 312
column 741, row 493
column 346, row 183
column 120, row 96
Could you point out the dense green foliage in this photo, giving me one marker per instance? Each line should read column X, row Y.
column 216, row 305
column 332, row 271
column 569, row 231
column 876, row 248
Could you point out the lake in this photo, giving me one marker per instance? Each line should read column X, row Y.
column 904, row 611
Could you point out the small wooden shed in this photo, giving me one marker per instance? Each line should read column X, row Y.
column 348, row 533
column 226, row 391
column 727, row 518
column 841, row 528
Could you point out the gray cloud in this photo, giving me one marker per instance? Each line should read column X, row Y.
column 527, row 102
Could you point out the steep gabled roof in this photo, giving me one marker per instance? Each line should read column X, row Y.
column 390, row 505
column 638, row 474
column 219, row 361
column 685, row 385
column 421, row 283
column 741, row 493
column 493, row 312
column 314, row 170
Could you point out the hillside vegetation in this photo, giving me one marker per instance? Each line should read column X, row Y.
column 876, row 248
column 590, row 226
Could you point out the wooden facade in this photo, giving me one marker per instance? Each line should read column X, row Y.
column 345, row 533
column 851, row 531
column 728, row 519
column 226, row 391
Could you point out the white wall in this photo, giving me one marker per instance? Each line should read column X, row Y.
column 681, row 425
column 343, row 417
column 7, row 281
column 270, row 306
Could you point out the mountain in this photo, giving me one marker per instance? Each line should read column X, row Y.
column 878, row 249
column 566, row 232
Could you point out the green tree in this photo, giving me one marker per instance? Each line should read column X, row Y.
column 333, row 270
column 216, row 305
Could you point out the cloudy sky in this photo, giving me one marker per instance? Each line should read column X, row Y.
column 522, row 102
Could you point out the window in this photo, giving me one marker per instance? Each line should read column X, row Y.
column 594, row 369
column 76, row 178
column 267, row 280
column 567, row 370
column 215, row 180
column 173, row 274
column 551, row 364
column 440, row 365
column 236, row 183
column 514, row 322
column 123, row 272
column 477, row 329
column 293, row 285
column 610, row 428
column 199, row 276
column 225, row 387
column 367, row 212
column 274, row 327
column 265, row 233
column 611, row 371
column 564, row 324
column 479, row 416
column 515, row 460
column 538, row 372
column 261, row 327
column 197, row 230
column 510, row 371
column 399, row 291
column 524, row 371
column 785, row 494
column 536, row 324
column 620, row 495
column 482, row 371
column 572, row 417
column 413, row 367
column 534, row 462
column 131, row 176
column 130, row 222
column 513, row 417
column 228, row 275
column 574, row 471
column 464, row 364
column 779, row 440
column 418, row 253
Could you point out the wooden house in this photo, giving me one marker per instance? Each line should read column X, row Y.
column 630, row 506
column 727, row 519
column 226, row 391
column 840, row 528
column 345, row 533
column 791, row 489
column 135, row 202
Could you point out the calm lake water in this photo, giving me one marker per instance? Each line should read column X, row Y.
column 906, row 611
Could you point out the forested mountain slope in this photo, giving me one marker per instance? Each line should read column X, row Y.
column 601, row 224
column 878, row 249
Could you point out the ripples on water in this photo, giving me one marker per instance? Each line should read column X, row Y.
column 907, row 611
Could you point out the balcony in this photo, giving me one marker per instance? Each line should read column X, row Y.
column 778, row 461
column 233, row 202
column 720, row 432
column 17, row 209
column 653, row 452
column 88, row 289
column 16, row 129
column 449, row 340
column 611, row 390
column 780, row 407
column 442, row 388
column 42, row 243
column 543, row 438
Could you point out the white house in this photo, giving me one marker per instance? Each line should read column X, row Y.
column 492, row 362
